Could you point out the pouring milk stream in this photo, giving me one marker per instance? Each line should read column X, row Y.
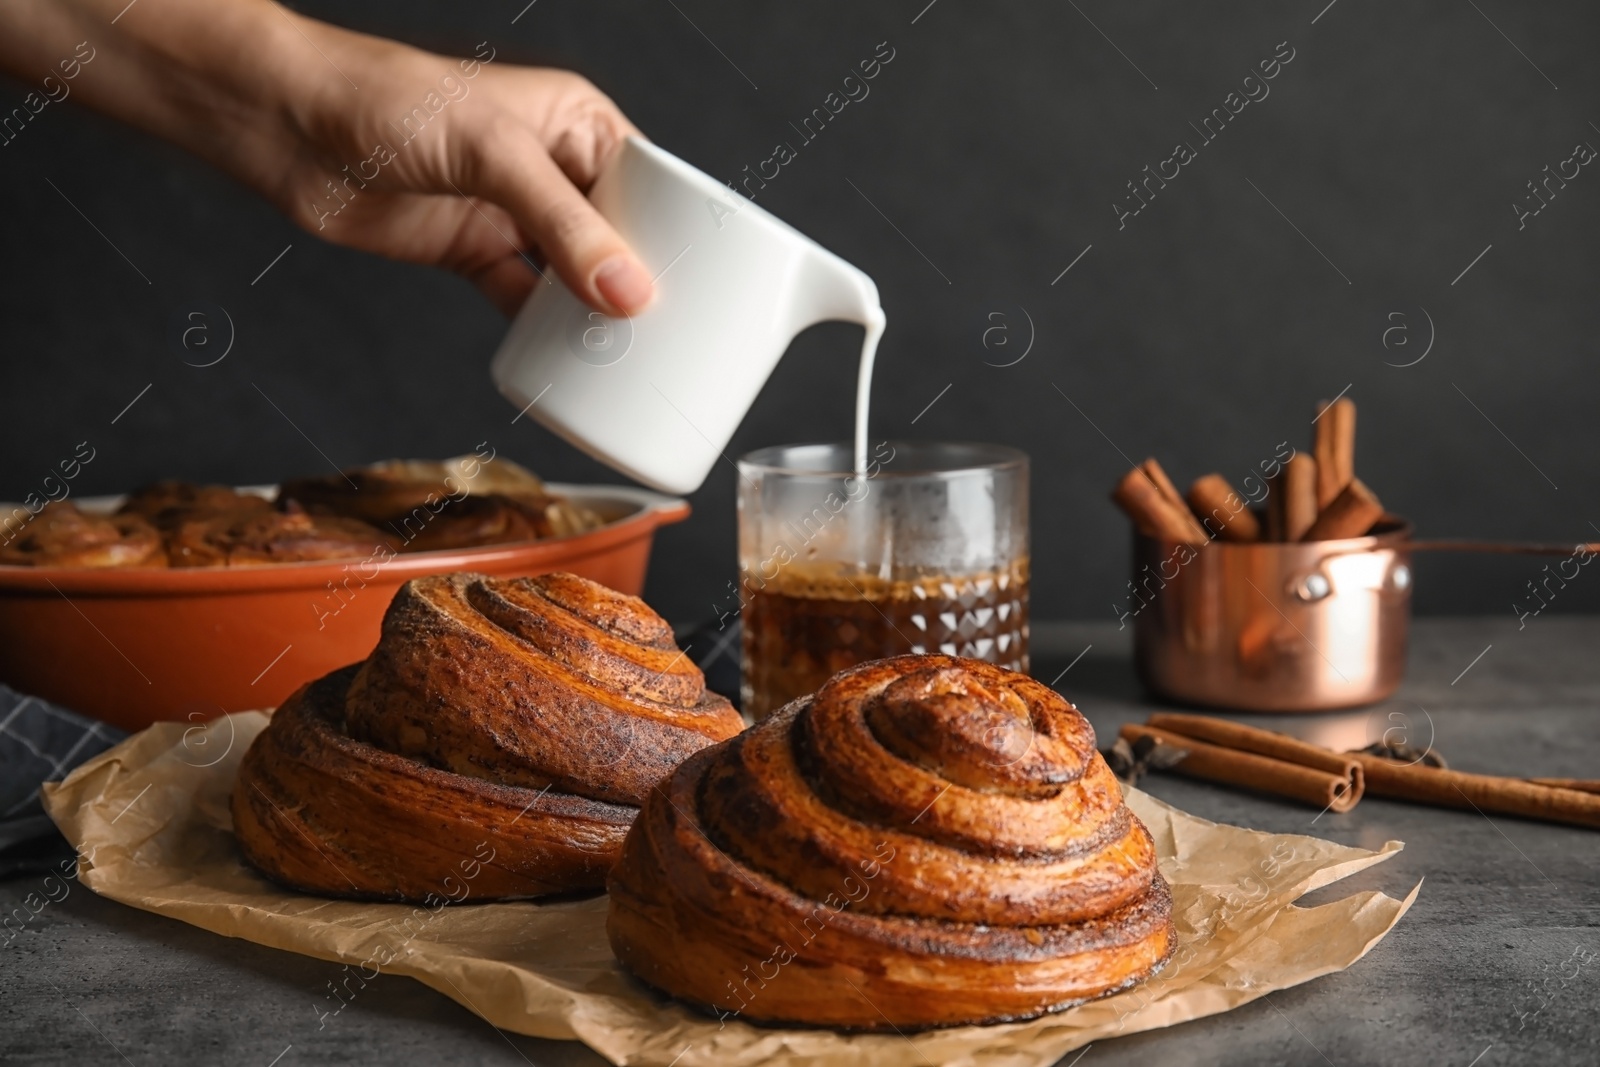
column 659, row 395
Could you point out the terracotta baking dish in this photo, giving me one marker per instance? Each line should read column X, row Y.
column 135, row 646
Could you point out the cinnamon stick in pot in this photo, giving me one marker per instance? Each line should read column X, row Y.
column 1297, row 497
column 1156, row 512
column 1335, row 449
column 1223, row 511
column 1248, row 770
column 1272, row 529
column 1169, row 492
column 1351, row 514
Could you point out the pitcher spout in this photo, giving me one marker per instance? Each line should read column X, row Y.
column 827, row 289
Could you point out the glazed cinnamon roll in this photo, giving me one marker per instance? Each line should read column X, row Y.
column 497, row 742
column 926, row 841
column 62, row 536
column 253, row 537
column 457, row 503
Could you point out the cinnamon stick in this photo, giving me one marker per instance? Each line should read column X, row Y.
column 1157, row 514
column 1484, row 793
column 1222, row 510
column 1158, row 478
column 1228, row 752
column 1278, row 746
column 1573, row 801
column 1297, row 496
column 1583, row 785
column 1248, row 770
column 1335, row 448
column 1272, row 530
column 1351, row 514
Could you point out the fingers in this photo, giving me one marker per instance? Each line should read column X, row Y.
column 507, row 283
column 514, row 170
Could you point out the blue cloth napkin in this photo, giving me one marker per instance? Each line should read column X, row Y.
column 39, row 743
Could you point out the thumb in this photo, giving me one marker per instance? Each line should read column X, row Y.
column 515, row 171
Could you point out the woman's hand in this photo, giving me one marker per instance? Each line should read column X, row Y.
column 464, row 164
column 469, row 164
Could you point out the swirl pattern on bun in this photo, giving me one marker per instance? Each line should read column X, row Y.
column 938, row 833
column 257, row 536
column 451, row 504
column 499, row 738
column 169, row 504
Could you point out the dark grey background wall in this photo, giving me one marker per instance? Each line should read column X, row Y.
column 1384, row 162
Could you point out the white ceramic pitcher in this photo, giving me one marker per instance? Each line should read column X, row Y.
column 657, row 396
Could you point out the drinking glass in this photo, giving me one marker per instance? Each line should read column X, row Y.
column 925, row 550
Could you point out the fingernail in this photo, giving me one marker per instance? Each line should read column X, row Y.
column 623, row 282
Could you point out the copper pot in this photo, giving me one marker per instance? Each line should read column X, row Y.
column 1300, row 626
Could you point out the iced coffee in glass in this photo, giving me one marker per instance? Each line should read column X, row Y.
column 923, row 550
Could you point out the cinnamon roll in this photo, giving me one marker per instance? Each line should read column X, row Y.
column 497, row 743
column 253, row 537
column 169, row 504
column 457, row 503
column 926, row 841
column 62, row 536
column 493, row 519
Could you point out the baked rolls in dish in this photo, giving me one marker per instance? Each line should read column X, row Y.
column 285, row 533
column 496, row 744
column 397, row 506
column 926, row 841
column 456, row 503
column 62, row 536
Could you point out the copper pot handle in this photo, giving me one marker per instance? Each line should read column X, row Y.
column 1504, row 547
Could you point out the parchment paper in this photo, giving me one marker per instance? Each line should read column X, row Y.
column 150, row 820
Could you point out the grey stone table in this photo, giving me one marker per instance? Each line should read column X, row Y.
column 1486, row 969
